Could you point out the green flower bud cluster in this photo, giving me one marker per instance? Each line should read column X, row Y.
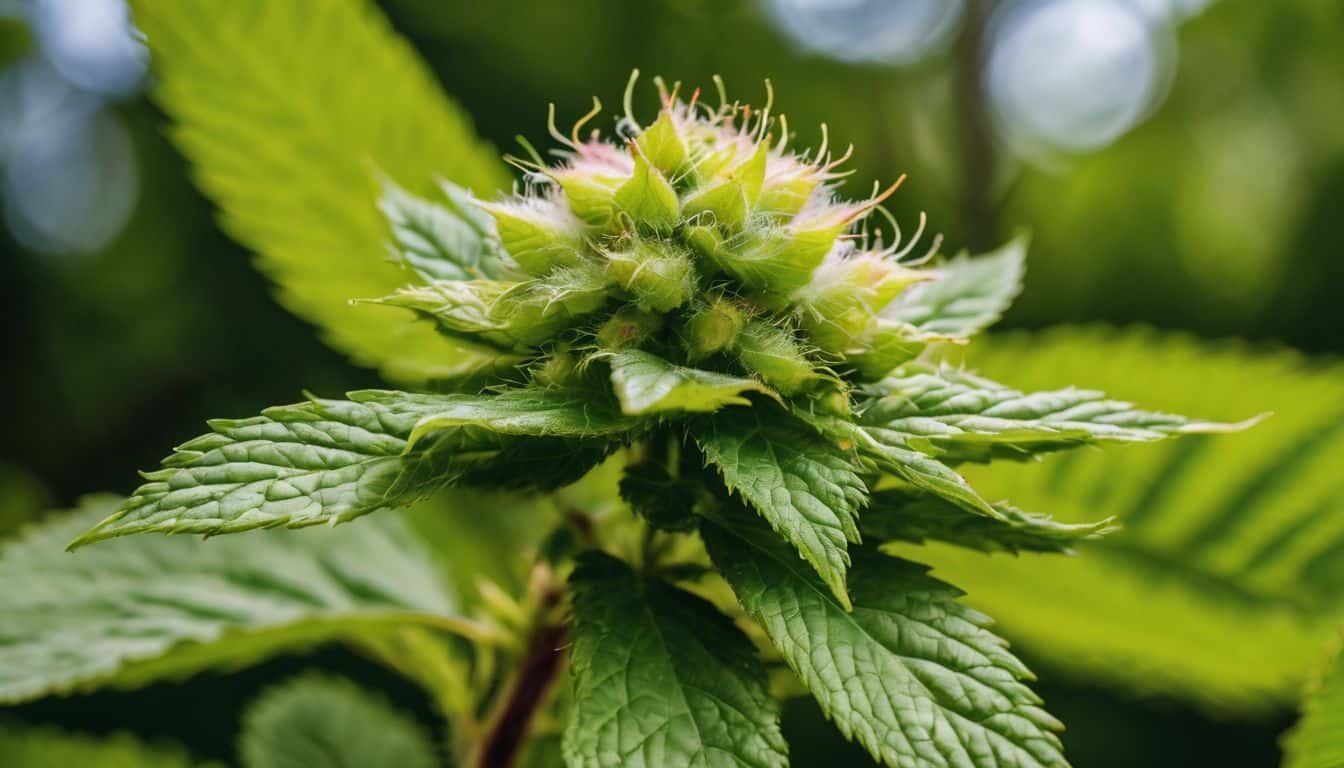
column 700, row 237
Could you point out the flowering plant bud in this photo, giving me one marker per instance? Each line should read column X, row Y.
column 701, row 238
column 538, row 232
column 629, row 326
column 774, row 354
column 658, row 275
column 846, row 295
column 712, row 327
column 648, row 198
column 663, row 144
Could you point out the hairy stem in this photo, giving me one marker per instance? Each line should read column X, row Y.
column 507, row 729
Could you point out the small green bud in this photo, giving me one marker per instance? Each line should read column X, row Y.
column 884, row 345
column 649, row 198
column 846, row 294
column 662, row 144
column 775, row 355
column 785, row 195
column 832, row 399
column 751, row 173
column 780, row 261
column 703, row 239
column 539, row 233
column 534, row 311
column 557, row 369
column 630, row 326
column 712, row 327
column 591, row 194
column 660, row 276
column 725, row 201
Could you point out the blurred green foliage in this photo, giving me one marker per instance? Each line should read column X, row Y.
column 1218, row 216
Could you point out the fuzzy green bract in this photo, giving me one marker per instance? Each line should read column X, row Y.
column 692, row 292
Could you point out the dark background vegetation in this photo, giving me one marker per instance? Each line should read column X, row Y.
column 1219, row 214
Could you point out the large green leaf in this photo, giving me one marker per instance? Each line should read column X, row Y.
column 1230, row 568
column 292, row 112
column 909, row 672
column 958, row 416
column 1317, row 741
column 330, row 461
column 323, row 461
column 140, row 609
column 646, row 383
column 327, row 721
column 661, row 678
column 806, row 488
column 968, row 295
column 33, row 747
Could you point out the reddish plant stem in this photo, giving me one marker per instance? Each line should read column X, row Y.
column 527, row 693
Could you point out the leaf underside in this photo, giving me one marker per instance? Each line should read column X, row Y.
column 140, row 609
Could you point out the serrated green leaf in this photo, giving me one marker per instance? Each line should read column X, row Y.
column 909, row 672
column 889, row 454
column 45, row 747
column 664, row 501
column 661, row 678
column 645, row 383
column 538, row 464
column 808, row 490
column 323, row 461
column 969, row 294
column 958, row 416
column 330, row 461
column 292, row 113
column 526, row 412
column 1225, row 580
column 896, row 515
column 1317, row 740
column 453, row 240
column 141, row 609
column 316, row 721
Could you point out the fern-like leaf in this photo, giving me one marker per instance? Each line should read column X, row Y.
column 1225, row 579
column 292, row 112
column 958, row 416
column 141, row 609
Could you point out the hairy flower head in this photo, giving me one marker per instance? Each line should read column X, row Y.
column 701, row 237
